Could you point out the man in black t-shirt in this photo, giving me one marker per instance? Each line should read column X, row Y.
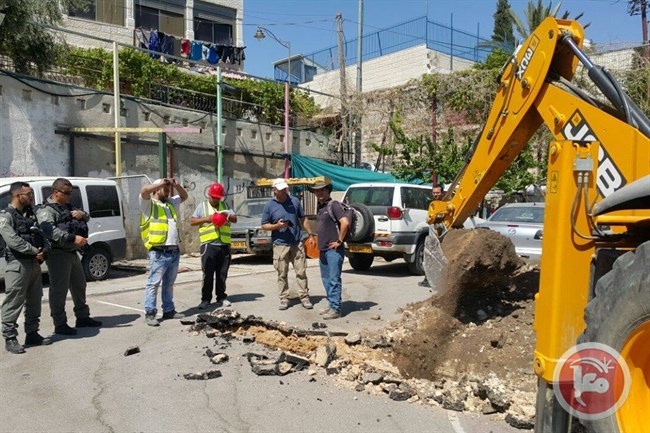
column 331, row 232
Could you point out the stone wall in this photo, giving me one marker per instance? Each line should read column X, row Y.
column 33, row 142
column 410, row 100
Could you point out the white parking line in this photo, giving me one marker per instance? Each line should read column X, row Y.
column 120, row 306
column 455, row 423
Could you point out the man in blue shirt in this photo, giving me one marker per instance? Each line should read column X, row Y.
column 284, row 217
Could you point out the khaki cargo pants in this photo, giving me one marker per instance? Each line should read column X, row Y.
column 283, row 255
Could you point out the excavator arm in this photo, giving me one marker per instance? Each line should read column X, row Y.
column 522, row 104
column 601, row 144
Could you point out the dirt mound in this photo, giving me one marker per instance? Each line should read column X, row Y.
column 468, row 332
column 478, row 260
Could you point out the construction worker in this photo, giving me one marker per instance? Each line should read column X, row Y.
column 213, row 218
column 159, row 231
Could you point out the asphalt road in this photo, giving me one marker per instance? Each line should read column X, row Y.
column 86, row 384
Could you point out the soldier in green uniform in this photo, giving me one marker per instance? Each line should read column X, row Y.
column 69, row 235
column 24, row 252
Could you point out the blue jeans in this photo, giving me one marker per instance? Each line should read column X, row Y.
column 331, row 266
column 164, row 267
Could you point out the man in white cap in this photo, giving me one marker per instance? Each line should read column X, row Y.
column 284, row 217
column 159, row 231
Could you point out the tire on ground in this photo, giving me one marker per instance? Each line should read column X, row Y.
column 618, row 309
column 360, row 261
column 416, row 267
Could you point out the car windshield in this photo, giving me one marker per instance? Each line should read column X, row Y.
column 519, row 214
column 251, row 208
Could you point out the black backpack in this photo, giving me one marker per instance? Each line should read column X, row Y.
column 353, row 215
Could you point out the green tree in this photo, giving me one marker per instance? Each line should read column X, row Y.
column 22, row 36
column 419, row 157
column 503, row 33
column 139, row 73
column 534, row 14
column 495, row 60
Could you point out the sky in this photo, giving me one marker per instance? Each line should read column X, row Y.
column 310, row 25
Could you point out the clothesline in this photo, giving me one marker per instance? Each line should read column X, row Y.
column 212, row 53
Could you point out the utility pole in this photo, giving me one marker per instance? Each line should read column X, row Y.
column 345, row 109
column 357, row 113
column 644, row 26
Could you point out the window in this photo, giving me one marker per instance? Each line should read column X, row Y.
column 519, row 214
column 371, row 196
column 416, row 198
column 214, row 23
column 251, row 208
column 103, row 201
column 75, row 200
column 166, row 21
column 209, row 31
column 5, row 199
column 105, row 11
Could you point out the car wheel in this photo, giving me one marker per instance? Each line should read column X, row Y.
column 361, row 262
column 416, row 267
column 365, row 227
column 96, row 264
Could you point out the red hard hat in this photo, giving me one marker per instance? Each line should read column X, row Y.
column 216, row 191
column 218, row 219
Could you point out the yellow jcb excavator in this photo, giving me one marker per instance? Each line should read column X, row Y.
column 595, row 265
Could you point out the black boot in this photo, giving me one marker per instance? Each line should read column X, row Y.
column 87, row 322
column 36, row 339
column 12, row 345
column 64, row 330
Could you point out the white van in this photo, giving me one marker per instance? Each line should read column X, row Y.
column 102, row 200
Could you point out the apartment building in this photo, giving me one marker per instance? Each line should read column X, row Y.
column 216, row 22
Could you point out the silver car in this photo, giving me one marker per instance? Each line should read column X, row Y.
column 247, row 234
column 523, row 223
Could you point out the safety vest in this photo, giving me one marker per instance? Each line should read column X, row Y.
column 208, row 232
column 153, row 230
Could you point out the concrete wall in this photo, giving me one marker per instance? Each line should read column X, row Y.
column 30, row 114
column 385, row 72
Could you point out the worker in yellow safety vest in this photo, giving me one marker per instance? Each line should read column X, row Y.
column 160, row 234
column 213, row 218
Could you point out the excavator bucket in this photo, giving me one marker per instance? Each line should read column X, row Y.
column 469, row 261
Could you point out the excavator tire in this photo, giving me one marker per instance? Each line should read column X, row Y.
column 619, row 316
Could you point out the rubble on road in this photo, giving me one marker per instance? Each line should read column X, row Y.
column 224, row 319
column 284, row 363
column 132, row 350
column 203, row 375
column 471, row 355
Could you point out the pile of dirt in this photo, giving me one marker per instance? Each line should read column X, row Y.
column 469, row 348
column 465, row 333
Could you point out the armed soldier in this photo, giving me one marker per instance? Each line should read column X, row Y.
column 24, row 252
column 69, row 235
